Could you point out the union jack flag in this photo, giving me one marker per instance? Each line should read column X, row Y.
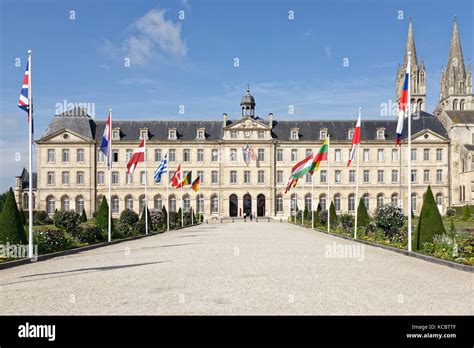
column 24, row 100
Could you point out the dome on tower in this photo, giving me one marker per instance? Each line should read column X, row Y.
column 247, row 103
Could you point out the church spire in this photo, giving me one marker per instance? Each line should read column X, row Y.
column 455, row 59
column 410, row 47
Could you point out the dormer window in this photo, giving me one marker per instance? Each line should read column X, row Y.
column 144, row 133
column 233, row 134
column 294, row 135
column 323, row 133
column 172, row 134
column 380, row 133
column 350, row 134
column 200, row 133
column 116, row 134
column 261, row 134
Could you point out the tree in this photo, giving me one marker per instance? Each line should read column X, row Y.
column 128, row 217
column 3, row 198
column 332, row 214
column 362, row 215
column 389, row 218
column 466, row 213
column 142, row 217
column 11, row 227
column 22, row 216
column 430, row 223
column 67, row 220
column 305, row 214
column 180, row 216
column 102, row 217
column 83, row 216
column 165, row 217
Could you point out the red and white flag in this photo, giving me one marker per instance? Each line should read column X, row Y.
column 355, row 142
column 177, row 178
column 138, row 156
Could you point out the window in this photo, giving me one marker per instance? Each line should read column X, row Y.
column 233, row 155
column 323, row 176
column 380, row 134
column 172, row 155
column 426, row 175
column 308, row 152
column 65, row 157
column 51, row 155
column 439, row 154
column 279, row 205
column 101, row 157
column 129, row 202
column 247, row 177
column 366, row 201
column 394, row 176
column 352, row 176
column 394, row 199
column 413, row 175
column 261, row 177
column 380, row 176
column 143, row 178
column 157, row 155
column 351, row 203
column 80, row 155
column 172, row 203
column 80, row 178
column 279, row 155
column 214, row 204
column 261, row 155
column 308, row 202
column 214, row 177
column 350, row 134
column 214, row 155
column 394, row 155
column 158, row 202
column 294, row 155
column 379, row 200
column 366, row 155
column 413, row 201
column 323, row 134
column 293, row 202
column 233, row 134
column 186, row 203
column 337, row 202
column 115, row 156
column 322, row 201
column 79, row 204
column 172, row 134
column 337, row 176
column 100, row 178
column 308, row 178
column 279, row 176
column 65, row 178
column 129, row 178
column 337, row 155
column 187, row 155
column 233, row 177
column 413, row 154
column 115, row 204
column 261, row 134
column 380, row 155
column 115, row 177
column 439, row 175
column 50, row 177
column 439, row 199
column 200, row 134
column 200, row 155
column 366, row 174
column 116, row 134
column 200, row 204
column 200, row 174
column 426, row 154
column 294, row 134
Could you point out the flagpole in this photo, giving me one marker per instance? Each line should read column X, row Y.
column 167, row 202
column 146, row 192
column 328, row 205
column 312, row 199
column 356, row 203
column 30, row 161
column 304, row 204
column 409, row 151
column 182, row 206
column 109, row 159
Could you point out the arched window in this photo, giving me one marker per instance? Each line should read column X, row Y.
column 413, row 201
column 308, row 202
column 141, row 205
column 129, row 202
column 322, row 201
column 115, row 204
column 394, row 199
column 65, row 203
column 99, row 200
column 351, row 203
column 294, row 202
column 50, row 204
column 200, row 203
column 439, row 199
column 379, row 200
column 172, row 203
column 279, row 205
column 462, row 105
column 186, row 203
column 455, row 104
column 79, row 204
column 25, row 201
column 214, row 204
column 158, row 202
column 337, row 202
column 366, row 201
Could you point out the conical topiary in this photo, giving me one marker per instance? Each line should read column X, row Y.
column 430, row 223
column 11, row 226
column 142, row 217
column 165, row 217
column 102, row 217
column 362, row 215
column 22, row 217
column 180, row 216
column 332, row 214
column 83, row 216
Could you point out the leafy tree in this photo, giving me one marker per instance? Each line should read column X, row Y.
column 389, row 218
column 102, row 216
column 430, row 223
column 11, row 226
column 83, row 216
column 128, row 217
column 332, row 214
column 67, row 220
column 466, row 213
column 362, row 215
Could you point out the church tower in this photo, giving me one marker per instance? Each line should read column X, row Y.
column 248, row 104
column 417, row 75
column 456, row 80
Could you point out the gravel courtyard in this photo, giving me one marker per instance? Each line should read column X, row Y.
column 236, row 268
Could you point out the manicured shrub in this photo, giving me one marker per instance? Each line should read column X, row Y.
column 430, row 223
column 389, row 218
column 50, row 241
column 174, row 219
column 333, row 215
column 128, row 217
column 11, row 226
column 362, row 215
column 83, row 216
column 347, row 222
column 67, row 220
column 180, row 216
column 140, row 227
column 187, row 218
column 466, row 213
column 305, row 214
column 22, row 217
column 142, row 216
column 39, row 216
column 102, row 217
column 157, row 218
column 323, row 217
column 88, row 234
column 450, row 212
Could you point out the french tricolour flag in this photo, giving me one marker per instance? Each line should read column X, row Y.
column 105, row 143
column 355, row 142
column 138, row 156
column 402, row 105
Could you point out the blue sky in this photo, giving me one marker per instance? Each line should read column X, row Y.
column 190, row 62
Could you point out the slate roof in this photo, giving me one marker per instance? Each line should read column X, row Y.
column 81, row 123
column 469, row 147
column 457, row 116
column 25, row 179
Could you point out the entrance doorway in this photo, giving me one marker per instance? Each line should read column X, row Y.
column 233, row 205
column 247, row 204
column 260, row 205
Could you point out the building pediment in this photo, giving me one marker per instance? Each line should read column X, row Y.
column 247, row 123
column 64, row 136
column 427, row 135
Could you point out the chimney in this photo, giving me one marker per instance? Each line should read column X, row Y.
column 224, row 115
column 270, row 120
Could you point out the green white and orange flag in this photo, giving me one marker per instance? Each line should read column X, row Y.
column 311, row 163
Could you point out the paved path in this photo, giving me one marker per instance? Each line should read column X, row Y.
column 235, row 268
